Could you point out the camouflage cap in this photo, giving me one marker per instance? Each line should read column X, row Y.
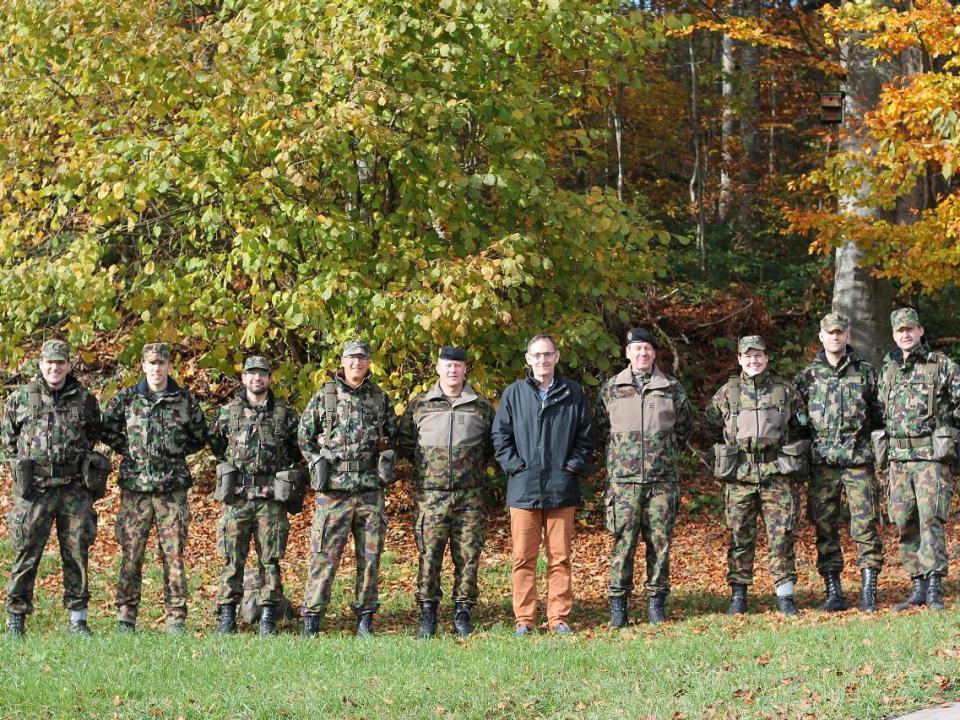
column 156, row 352
column 751, row 342
column 904, row 317
column 452, row 353
column 834, row 321
column 356, row 347
column 256, row 362
column 55, row 350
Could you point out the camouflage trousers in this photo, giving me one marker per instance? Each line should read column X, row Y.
column 454, row 517
column 919, row 503
column 30, row 522
column 170, row 514
column 825, row 510
column 635, row 510
column 775, row 499
column 266, row 522
column 338, row 515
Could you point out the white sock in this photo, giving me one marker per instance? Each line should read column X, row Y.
column 785, row 589
column 76, row 615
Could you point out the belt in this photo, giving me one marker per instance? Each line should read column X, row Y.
column 758, row 456
column 356, row 465
column 909, row 443
column 57, row 470
column 254, row 480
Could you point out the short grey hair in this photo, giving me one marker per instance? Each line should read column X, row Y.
column 541, row 336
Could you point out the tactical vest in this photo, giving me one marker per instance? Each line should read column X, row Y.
column 929, row 370
column 62, row 464
column 350, row 474
column 773, row 423
column 270, row 428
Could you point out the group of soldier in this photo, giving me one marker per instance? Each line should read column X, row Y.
column 840, row 423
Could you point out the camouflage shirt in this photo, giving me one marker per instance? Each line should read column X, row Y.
column 256, row 439
column 363, row 414
column 905, row 399
column 54, row 428
column 643, row 420
column 842, row 405
column 154, row 432
column 759, row 430
column 449, row 440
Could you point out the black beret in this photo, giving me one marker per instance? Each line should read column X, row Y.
column 639, row 334
column 452, row 353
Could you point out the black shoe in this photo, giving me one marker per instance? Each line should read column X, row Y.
column 835, row 601
column 915, row 598
column 787, row 605
column 935, row 592
column 738, row 599
column 226, row 619
column 618, row 612
column 655, row 608
column 16, row 625
column 868, row 589
column 78, row 627
column 365, row 624
column 461, row 619
column 177, row 628
column 428, row 621
column 125, row 626
column 311, row 624
column 268, row 621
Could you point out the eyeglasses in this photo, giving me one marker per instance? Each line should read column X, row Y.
column 542, row 355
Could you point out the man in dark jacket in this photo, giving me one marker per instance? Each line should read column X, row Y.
column 543, row 437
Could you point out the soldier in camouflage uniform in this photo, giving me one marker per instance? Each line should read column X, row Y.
column 346, row 433
column 840, row 392
column 643, row 419
column 49, row 427
column 446, row 432
column 756, row 418
column 919, row 392
column 255, row 434
column 154, row 424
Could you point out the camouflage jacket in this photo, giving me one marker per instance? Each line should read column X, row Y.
column 256, row 439
column 759, row 428
column 643, row 426
column 907, row 399
column 842, row 405
column 363, row 414
column 54, row 428
column 449, row 441
column 154, row 432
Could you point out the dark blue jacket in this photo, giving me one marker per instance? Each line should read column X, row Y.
column 543, row 449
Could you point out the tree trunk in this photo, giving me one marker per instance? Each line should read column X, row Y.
column 728, row 127
column 751, row 157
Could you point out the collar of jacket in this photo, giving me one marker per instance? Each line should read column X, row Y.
column 658, row 380
column 760, row 380
column 558, row 386
column 241, row 395
column 850, row 358
column 141, row 388
column 919, row 354
column 341, row 380
column 70, row 386
column 466, row 395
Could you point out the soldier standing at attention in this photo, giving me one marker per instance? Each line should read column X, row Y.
column 49, row 428
column 255, row 438
column 154, row 424
column 346, row 434
column 919, row 391
column 756, row 418
column 643, row 419
column 840, row 392
column 446, row 431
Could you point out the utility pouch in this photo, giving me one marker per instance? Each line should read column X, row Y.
column 95, row 470
column 945, row 443
column 226, row 488
column 385, row 471
column 22, row 471
column 725, row 459
column 289, row 488
column 320, row 474
column 881, row 448
column 792, row 457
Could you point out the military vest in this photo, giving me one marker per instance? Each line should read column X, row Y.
column 353, row 422
column 761, row 423
column 255, row 439
column 52, row 433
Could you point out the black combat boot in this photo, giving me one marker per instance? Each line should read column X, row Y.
column 125, row 626
column 835, row 600
column 461, row 619
column 655, row 608
column 78, row 627
column 428, row 621
column 311, row 624
column 226, row 619
column 618, row 612
column 365, row 624
column 868, row 589
column 787, row 605
column 738, row 599
column 268, row 620
column 935, row 592
column 915, row 598
column 16, row 625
